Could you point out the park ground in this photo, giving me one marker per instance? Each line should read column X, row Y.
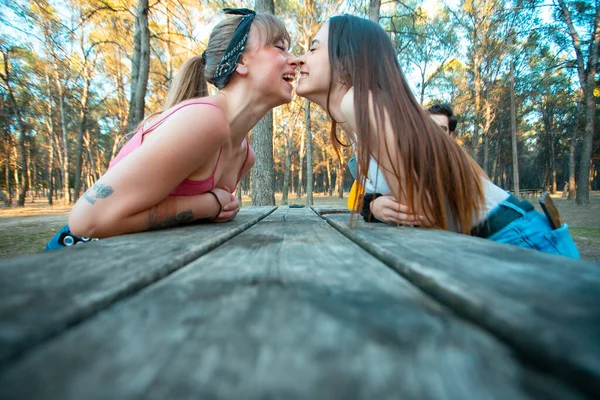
column 25, row 230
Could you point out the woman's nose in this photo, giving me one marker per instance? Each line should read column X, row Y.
column 293, row 60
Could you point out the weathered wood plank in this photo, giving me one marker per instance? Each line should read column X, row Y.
column 43, row 294
column 547, row 307
column 287, row 309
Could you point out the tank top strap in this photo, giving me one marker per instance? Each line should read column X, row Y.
column 212, row 175
column 155, row 124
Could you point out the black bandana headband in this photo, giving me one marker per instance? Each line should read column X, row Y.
column 235, row 48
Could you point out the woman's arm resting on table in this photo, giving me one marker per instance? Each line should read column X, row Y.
column 132, row 196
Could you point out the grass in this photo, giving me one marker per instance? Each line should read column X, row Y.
column 26, row 239
column 585, row 232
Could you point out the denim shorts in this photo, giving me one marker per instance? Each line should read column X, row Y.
column 533, row 231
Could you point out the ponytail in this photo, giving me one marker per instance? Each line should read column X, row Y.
column 188, row 83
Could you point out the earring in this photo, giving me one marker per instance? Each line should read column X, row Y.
column 341, row 81
column 242, row 69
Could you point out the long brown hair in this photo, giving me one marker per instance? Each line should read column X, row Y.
column 441, row 181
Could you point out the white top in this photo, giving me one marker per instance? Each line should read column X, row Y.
column 493, row 194
column 376, row 182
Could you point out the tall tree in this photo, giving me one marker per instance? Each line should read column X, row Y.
column 374, row 7
column 309, row 155
column 586, row 15
column 513, row 130
column 491, row 29
column 426, row 42
column 16, row 111
column 140, row 65
column 309, row 18
column 86, row 66
column 263, row 191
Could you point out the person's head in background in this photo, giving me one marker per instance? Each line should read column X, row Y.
column 443, row 115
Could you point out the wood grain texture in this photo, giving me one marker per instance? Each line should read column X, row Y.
column 289, row 309
column 43, row 294
column 546, row 307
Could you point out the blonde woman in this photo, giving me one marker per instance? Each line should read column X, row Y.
column 184, row 163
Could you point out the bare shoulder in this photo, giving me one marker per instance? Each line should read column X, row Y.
column 200, row 120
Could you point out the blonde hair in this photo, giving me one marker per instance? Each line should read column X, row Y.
column 191, row 79
column 193, row 75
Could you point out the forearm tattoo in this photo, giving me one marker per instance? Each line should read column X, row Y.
column 97, row 191
column 165, row 216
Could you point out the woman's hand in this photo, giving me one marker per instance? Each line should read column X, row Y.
column 229, row 204
column 387, row 209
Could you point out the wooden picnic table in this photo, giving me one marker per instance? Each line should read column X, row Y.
column 293, row 303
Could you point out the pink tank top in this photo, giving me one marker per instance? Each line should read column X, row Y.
column 188, row 187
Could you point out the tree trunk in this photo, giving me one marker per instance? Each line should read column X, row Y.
column 326, row 173
column 16, row 171
column 262, row 172
column 7, row 174
column 486, row 152
column 65, row 143
column 82, row 129
column 552, row 161
column 572, row 188
column 238, row 193
column 94, row 169
column 292, row 177
column 140, row 66
column 31, row 173
column 583, row 191
column 496, row 157
column 286, row 173
column 330, row 176
column 23, row 168
column 301, row 166
column 309, row 156
column 50, row 127
column 477, row 116
column 22, row 164
column 586, row 71
column 264, row 6
column 341, row 168
column 263, row 193
column 4, row 198
column 374, row 6
column 513, row 131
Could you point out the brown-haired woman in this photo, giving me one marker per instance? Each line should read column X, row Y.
column 352, row 72
column 183, row 164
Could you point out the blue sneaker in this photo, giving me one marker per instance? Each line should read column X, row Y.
column 64, row 238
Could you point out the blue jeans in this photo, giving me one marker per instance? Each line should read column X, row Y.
column 533, row 231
